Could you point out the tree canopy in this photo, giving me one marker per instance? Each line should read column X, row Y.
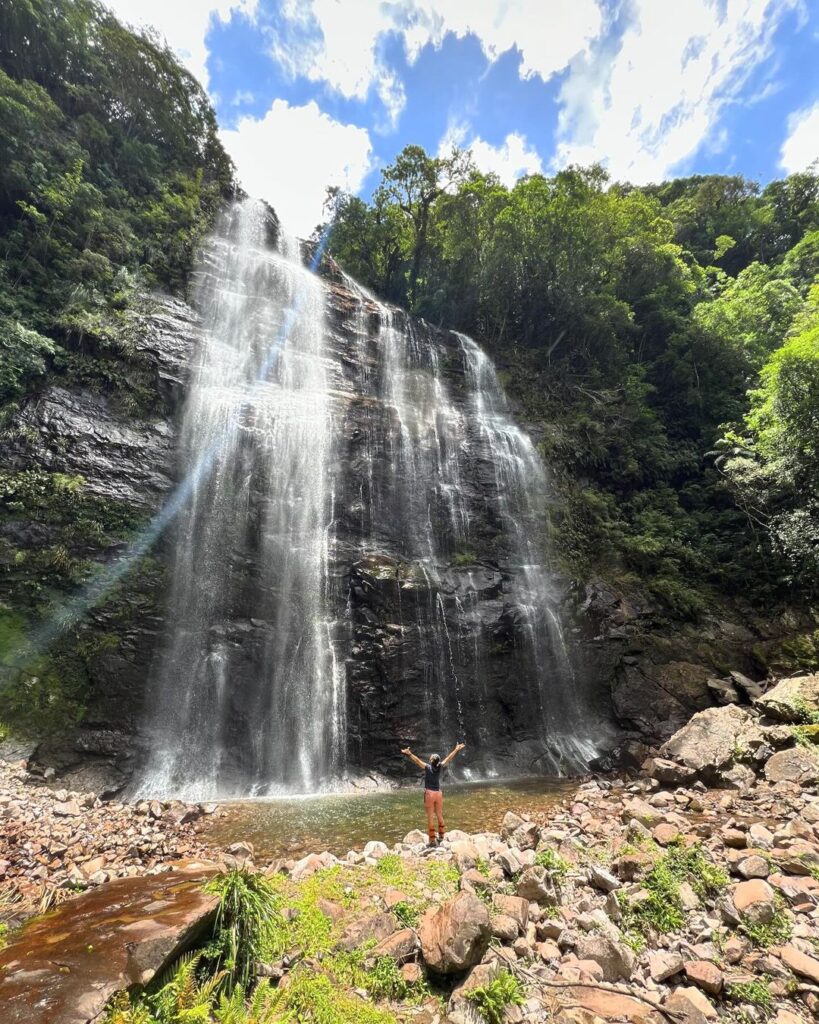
column 663, row 338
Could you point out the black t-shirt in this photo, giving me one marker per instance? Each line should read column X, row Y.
column 432, row 777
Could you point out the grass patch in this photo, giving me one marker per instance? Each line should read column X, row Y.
column 554, row 864
column 776, row 932
column 756, row 992
column 406, row 914
column 314, row 999
column 492, row 1000
column 662, row 911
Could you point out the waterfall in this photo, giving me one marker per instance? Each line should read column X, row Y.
column 365, row 560
column 248, row 690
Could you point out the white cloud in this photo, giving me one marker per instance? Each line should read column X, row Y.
column 292, row 154
column 183, row 24
column 801, row 147
column 321, row 39
column 513, row 158
column 650, row 103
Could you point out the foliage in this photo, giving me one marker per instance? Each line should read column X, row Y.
column 555, row 865
column 492, row 1000
column 629, row 325
column 314, row 999
column 662, row 909
column 775, row 932
column 112, row 171
column 249, row 923
column 757, row 992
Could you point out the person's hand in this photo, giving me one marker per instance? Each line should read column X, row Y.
column 460, row 746
column 406, row 751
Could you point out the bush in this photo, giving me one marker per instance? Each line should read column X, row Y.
column 249, row 926
column 492, row 1000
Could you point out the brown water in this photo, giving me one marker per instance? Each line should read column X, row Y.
column 294, row 827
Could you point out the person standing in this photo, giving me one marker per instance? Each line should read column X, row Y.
column 433, row 795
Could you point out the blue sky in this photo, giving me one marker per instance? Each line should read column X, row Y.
column 317, row 92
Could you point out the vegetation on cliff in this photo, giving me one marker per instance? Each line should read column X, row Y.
column 665, row 339
column 112, row 171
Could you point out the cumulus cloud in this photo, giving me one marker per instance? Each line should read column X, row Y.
column 801, row 147
column 649, row 103
column 321, row 41
column 292, row 154
column 183, row 25
column 513, row 158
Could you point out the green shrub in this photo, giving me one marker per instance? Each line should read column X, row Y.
column 776, row 932
column 492, row 1000
column 249, row 925
column 757, row 992
column 555, row 865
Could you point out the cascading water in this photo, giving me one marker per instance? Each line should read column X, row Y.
column 248, row 692
column 364, row 563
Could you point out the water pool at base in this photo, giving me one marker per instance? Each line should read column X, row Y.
column 338, row 823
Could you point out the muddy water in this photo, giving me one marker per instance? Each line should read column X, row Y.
column 295, row 826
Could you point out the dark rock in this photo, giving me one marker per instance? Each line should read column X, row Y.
column 66, row 966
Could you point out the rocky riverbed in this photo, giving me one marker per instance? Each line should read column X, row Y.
column 686, row 893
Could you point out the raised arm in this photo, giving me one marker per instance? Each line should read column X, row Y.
column 415, row 760
column 455, row 750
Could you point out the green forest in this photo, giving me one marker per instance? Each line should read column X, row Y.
column 662, row 342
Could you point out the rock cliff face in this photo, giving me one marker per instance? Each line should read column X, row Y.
column 428, row 658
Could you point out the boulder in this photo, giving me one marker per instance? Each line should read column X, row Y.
column 669, row 772
column 798, row 764
column 790, row 698
column 504, row 928
column 689, row 1006
column 602, row 879
column 374, row 927
column 664, row 965
column 754, row 900
column 615, row 958
column 800, row 963
column 510, row 823
column 66, row 966
column 708, row 742
column 665, row 833
column 752, row 689
column 401, row 945
column 611, row 1005
column 514, row 907
column 464, row 854
column 642, row 811
column 535, row 885
column 705, row 975
column 723, row 691
column 376, row 849
column 454, row 936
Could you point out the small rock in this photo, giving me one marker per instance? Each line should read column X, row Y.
column 616, row 959
column 602, row 879
column 800, row 963
column 664, row 965
column 705, row 975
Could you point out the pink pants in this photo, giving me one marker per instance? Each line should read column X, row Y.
column 434, row 806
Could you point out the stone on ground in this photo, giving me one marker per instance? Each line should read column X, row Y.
column 66, row 966
column 615, row 958
column 454, row 936
column 798, row 764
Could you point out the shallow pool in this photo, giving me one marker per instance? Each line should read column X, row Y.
column 287, row 827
